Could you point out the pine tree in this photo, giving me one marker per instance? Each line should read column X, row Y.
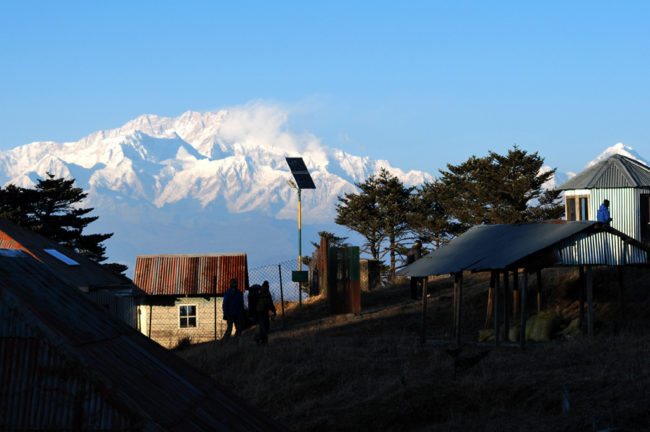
column 499, row 189
column 52, row 209
column 379, row 213
column 429, row 219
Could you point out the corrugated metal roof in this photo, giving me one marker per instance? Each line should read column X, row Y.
column 616, row 171
column 87, row 275
column 193, row 274
column 493, row 247
column 66, row 365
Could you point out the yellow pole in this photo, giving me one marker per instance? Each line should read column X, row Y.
column 299, row 245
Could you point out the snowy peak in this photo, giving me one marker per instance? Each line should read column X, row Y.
column 235, row 157
column 621, row 149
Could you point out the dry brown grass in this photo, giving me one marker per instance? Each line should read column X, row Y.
column 370, row 372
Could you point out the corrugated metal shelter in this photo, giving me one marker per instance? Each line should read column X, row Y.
column 114, row 292
column 532, row 246
column 625, row 182
column 64, row 365
column 539, row 244
column 184, row 295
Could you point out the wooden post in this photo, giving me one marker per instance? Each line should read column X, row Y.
column 539, row 291
column 490, row 302
column 506, row 305
column 522, row 329
column 515, row 294
column 423, row 281
column 458, row 288
column 621, row 285
column 282, row 293
column 496, row 307
column 590, row 301
column 214, row 299
column 581, row 283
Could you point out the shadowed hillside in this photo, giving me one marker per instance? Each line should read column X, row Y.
column 370, row 372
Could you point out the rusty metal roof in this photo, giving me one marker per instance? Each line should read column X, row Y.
column 67, row 365
column 493, row 247
column 616, row 171
column 192, row 274
column 87, row 275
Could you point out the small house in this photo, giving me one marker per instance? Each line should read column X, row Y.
column 184, row 295
column 625, row 182
column 68, row 366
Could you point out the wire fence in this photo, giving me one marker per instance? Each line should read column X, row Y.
column 197, row 319
column 279, row 278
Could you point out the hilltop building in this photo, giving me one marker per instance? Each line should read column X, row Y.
column 184, row 294
column 625, row 182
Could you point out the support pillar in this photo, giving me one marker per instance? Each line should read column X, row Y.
column 590, row 301
column 522, row 329
column 458, row 294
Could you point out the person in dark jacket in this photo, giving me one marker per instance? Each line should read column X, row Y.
column 233, row 309
column 263, row 306
column 253, row 295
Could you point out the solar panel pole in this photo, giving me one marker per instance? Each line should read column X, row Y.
column 299, row 245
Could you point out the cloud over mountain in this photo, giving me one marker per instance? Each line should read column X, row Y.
column 207, row 175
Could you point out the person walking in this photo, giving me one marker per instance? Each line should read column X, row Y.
column 603, row 213
column 253, row 295
column 264, row 305
column 233, row 309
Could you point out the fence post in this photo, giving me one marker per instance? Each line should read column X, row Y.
column 281, row 293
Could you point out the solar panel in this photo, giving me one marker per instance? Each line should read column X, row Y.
column 300, row 173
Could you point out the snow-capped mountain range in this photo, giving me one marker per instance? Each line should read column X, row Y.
column 207, row 182
column 201, row 182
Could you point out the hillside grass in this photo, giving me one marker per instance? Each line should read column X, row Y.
column 370, row 372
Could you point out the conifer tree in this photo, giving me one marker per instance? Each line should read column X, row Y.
column 379, row 213
column 52, row 209
column 429, row 219
column 499, row 189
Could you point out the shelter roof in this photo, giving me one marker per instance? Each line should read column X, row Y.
column 79, row 271
column 616, row 171
column 493, row 247
column 190, row 274
column 115, row 362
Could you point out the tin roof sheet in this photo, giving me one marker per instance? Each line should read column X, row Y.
column 491, row 247
column 96, row 366
column 87, row 274
column 616, row 171
column 193, row 274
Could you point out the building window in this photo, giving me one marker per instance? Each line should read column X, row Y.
column 577, row 208
column 187, row 316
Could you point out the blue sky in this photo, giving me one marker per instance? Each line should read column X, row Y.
column 418, row 83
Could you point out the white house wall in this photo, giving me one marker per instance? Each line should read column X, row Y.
column 165, row 325
column 623, row 208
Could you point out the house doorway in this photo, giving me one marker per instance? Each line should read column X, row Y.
column 645, row 218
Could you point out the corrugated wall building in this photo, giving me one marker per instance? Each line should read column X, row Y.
column 625, row 183
column 183, row 295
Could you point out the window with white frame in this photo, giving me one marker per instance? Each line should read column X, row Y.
column 187, row 316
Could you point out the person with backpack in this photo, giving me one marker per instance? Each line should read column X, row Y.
column 263, row 307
